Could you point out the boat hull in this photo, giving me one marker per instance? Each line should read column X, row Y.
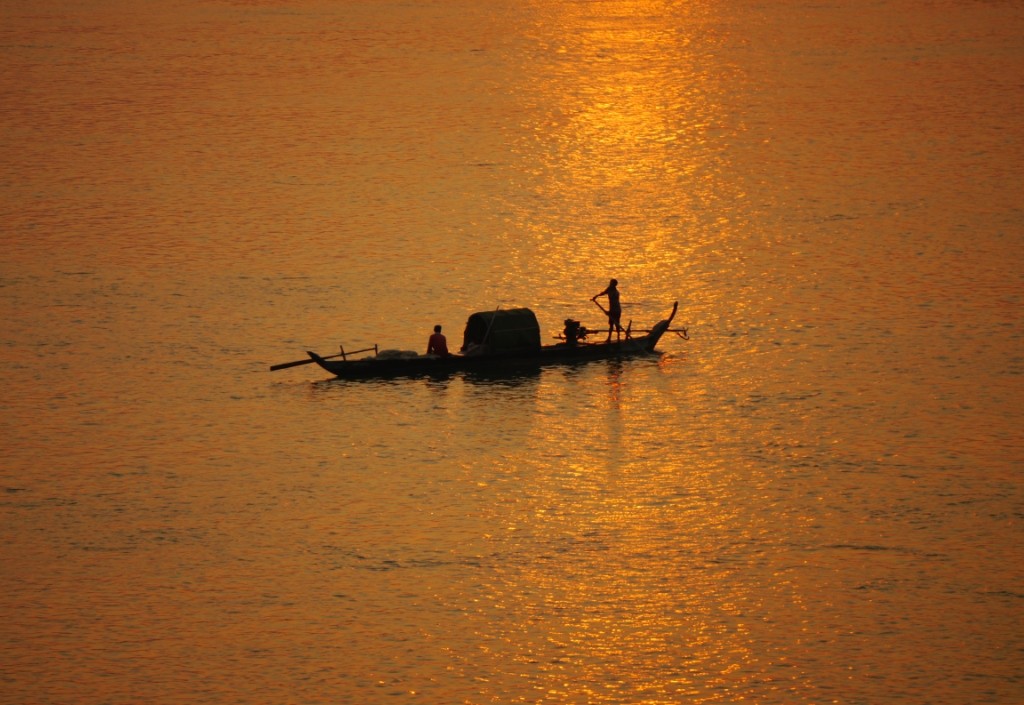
column 429, row 365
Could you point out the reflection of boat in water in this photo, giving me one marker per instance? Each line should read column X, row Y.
column 495, row 342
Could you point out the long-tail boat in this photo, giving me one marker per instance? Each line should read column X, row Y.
column 495, row 341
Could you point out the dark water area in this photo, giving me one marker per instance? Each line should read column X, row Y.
column 817, row 498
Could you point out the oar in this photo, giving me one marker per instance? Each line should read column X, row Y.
column 308, row 360
column 286, row 365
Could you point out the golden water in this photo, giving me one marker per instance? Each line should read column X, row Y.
column 815, row 499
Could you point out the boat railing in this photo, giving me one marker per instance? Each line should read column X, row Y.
column 344, row 355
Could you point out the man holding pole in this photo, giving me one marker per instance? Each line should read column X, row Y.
column 614, row 311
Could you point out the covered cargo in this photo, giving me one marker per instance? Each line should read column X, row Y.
column 502, row 331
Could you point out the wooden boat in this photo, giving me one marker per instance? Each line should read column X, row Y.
column 494, row 341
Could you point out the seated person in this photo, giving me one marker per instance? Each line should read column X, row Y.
column 438, row 344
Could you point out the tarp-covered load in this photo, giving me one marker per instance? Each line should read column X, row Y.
column 514, row 329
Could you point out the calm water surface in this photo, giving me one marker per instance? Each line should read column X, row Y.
column 817, row 499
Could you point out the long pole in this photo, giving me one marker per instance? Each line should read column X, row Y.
column 490, row 325
column 286, row 365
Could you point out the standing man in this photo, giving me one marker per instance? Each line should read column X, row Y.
column 438, row 344
column 614, row 311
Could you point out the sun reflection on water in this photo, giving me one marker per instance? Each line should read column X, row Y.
column 623, row 146
column 620, row 559
column 619, row 108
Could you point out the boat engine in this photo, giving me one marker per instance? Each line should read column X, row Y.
column 573, row 331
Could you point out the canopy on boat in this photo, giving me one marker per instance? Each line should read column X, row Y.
column 508, row 330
